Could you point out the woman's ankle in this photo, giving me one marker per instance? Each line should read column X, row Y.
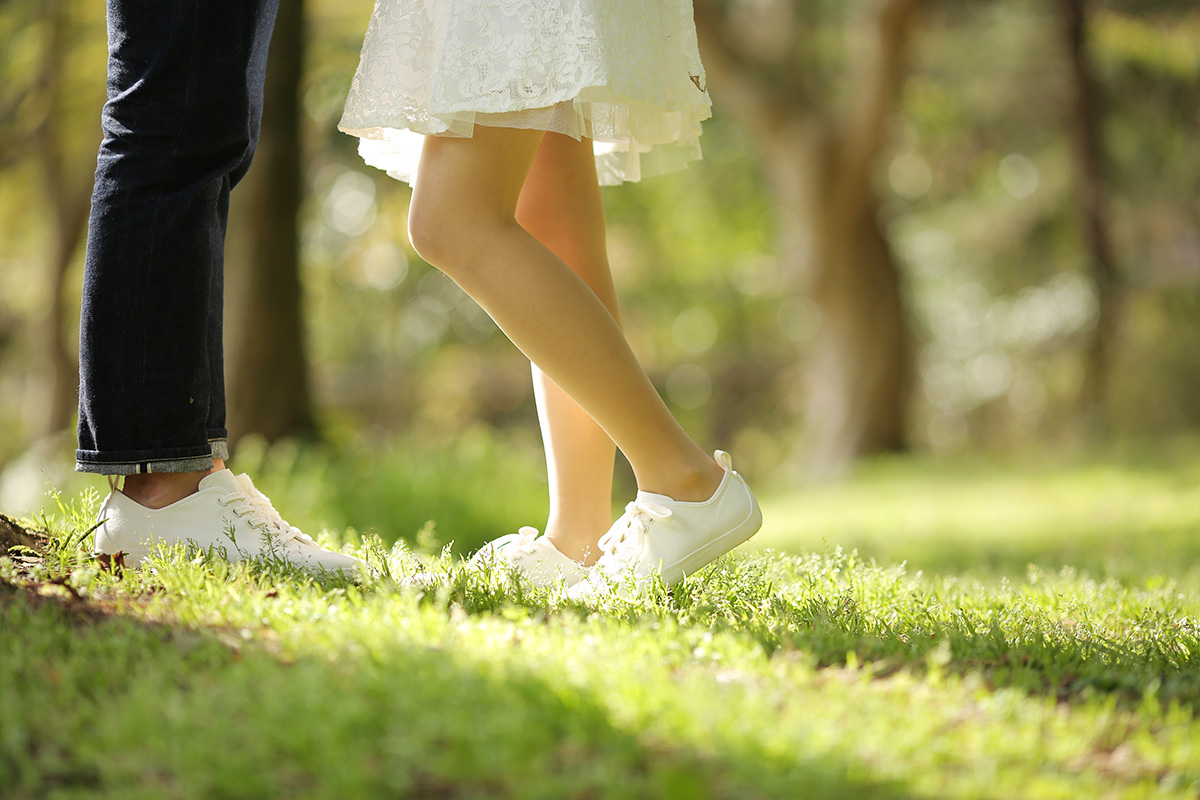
column 687, row 482
column 577, row 542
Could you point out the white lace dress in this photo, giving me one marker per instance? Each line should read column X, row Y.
column 625, row 73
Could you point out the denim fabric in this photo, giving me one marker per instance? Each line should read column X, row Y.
column 180, row 127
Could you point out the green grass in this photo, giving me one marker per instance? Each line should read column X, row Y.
column 1131, row 520
column 1042, row 642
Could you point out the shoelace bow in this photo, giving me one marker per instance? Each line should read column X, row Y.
column 623, row 541
column 504, row 553
column 524, row 543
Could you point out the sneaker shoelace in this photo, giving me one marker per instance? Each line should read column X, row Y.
column 623, row 542
column 524, row 543
column 263, row 515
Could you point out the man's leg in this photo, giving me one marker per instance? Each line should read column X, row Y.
column 180, row 127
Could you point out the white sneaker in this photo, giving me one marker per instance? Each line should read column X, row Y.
column 227, row 516
column 671, row 538
column 533, row 557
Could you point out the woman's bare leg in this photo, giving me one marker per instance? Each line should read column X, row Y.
column 463, row 220
column 560, row 206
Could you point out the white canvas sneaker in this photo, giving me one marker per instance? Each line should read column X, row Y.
column 227, row 516
column 671, row 538
column 533, row 557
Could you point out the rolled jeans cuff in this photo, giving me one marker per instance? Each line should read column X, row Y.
column 119, row 464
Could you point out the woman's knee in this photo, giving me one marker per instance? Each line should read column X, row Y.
column 455, row 236
column 430, row 231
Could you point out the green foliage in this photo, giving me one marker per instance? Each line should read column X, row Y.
column 1160, row 44
column 986, row 215
column 979, row 181
column 823, row 675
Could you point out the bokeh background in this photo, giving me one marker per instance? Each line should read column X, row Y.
column 954, row 231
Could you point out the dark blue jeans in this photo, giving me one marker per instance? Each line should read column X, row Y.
column 180, row 127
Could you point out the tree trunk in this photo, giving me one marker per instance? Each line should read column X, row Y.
column 62, row 370
column 267, row 366
column 857, row 369
column 68, row 197
column 859, row 364
column 820, row 173
column 1093, row 216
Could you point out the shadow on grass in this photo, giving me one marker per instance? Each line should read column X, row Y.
column 106, row 705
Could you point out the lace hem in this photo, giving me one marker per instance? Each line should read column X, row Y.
column 632, row 140
column 625, row 73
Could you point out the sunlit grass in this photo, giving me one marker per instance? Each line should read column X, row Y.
column 816, row 673
column 1124, row 520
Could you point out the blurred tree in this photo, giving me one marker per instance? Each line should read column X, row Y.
column 266, row 362
column 821, row 143
column 1146, row 54
column 68, row 196
column 37, row 118
column 975, row 186
column 1089, row 153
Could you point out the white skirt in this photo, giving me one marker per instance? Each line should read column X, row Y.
column 624, row 73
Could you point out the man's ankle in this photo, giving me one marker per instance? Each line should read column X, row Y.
column 161, row 489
